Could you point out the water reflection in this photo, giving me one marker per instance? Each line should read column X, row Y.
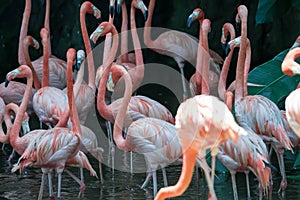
column 127, row 186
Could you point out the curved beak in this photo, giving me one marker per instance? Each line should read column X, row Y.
column 143, row 8
column 6, row 82
column 189, row 20
column 80, row 58
column 25, row 127
column 95, row 35
column 111, row 11
column 97, row 14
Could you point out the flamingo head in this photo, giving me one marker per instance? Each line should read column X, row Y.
column 96, row 34
column 197, row 14
column 139, row 4
column 206, row 26
column 232, row 44
column 88, row 7
column 296, row 43
column 71, row 55
column 111, row 8
column 241, row 15
column 44, row 33
column 19, row 72
column 227, row 30
column 289, row 66
column 31, row 41
column 80, row 58
column 119, row 5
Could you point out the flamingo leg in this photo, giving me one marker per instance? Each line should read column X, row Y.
column 131, row 162
column 40, row 197
column 146, row 181
column 100, row 166
column 248, row 185
column 185, row 92
column 11, row 156
column 58, row 186
column 283, row 183
column 81, row 174
column 234, row 188
column 82, row 185
column 50, row 185
column 154, row 178
column 111, row 145
column 165, row 177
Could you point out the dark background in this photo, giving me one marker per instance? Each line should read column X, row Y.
column 266, row 39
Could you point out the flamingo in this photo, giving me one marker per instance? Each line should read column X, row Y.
column 136, row 69
column 290, row 67
column 139, row 106
column 198, row 14
column 57, row 67
column 156, row 139
column 180, row 46
column 49, row 103
column 260, row 113
column 56, row 147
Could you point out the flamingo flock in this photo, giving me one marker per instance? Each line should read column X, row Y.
column 235, row 128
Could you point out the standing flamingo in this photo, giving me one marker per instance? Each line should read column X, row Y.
column 198, row 14
column 155, row 138
column 260, row 113
column 180, row 46
column 49, row 103
column 290, row 67
column 55, row 147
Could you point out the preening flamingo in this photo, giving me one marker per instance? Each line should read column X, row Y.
column 56, row 147
column 49, row 103
column 290, row 67
column 214, row 69
column 139, row 106
column 260, row 113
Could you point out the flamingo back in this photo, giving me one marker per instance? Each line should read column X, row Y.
column 292, row 107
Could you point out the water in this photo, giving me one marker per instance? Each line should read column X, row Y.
column 123, row 185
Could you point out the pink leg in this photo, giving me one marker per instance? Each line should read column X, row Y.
column 40, row 197
column 82, row 185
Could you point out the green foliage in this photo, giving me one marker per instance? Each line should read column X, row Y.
column 269, row 10
column 297, row 162
column 275, row 85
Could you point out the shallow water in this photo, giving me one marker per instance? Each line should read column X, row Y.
column 124, row 185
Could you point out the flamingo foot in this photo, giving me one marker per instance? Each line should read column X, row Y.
column 283, row 185
column 82, row 189
column 51, row 198
column 211, row 197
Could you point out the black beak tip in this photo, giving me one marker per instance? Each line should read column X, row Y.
column 99, row 20
column 111, row 11
column 146, row 15
column 92, row 44
column 189, row 22
column 6, row 82
column 118, row 8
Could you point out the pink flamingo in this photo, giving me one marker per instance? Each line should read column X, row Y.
column 49, row 103
column 290, row 67
column 175, row 44
column 213, row 80
column 155, row 138
column 55, row 147
column 139, row 106
column 203, row 122
column 57, row 67
column 260, row 113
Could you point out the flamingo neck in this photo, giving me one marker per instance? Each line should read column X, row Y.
column 104, row 110
column 36, row 81
column 147, row 31
column 137, row 46
column 4, row 137
column 241, row 61
column 204, row 60
column 189, row 157
column 119, row 122
column 45, row 79
column 23, row 31
column 47, row 23
column 247, row 67
column 88, row 48
column 198, row 78
column 16, row 127
column 72, row 106
column 107, row 42
column 124, row 34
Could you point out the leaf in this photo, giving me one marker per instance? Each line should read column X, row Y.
column 269, row 10
column 297, row 161
column 276, row 85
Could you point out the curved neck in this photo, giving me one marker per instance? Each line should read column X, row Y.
column 241, row 61
column 137, row 46
column 88, row 48
column 198, row 78
column 45, row 79
column 36, row 81
column 124, row 34
column 4, row 137
column 16, row 127
column 147, row 31
column 119, row 122
column 247, row 67
column 107, row 42
column 47, row 23
column 23, row 31
column 104, row 110
column 72, row 106
column 189, row 157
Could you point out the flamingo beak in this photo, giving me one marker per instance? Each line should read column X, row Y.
column 143, row 8
column 97, row 14
column 95, row 35
column 25, row 127
column 111, row 11
column 80, row 57
column 189, row 21
column 11, row 75
column 226, row 48
column 6, row 82
column 119, row 2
